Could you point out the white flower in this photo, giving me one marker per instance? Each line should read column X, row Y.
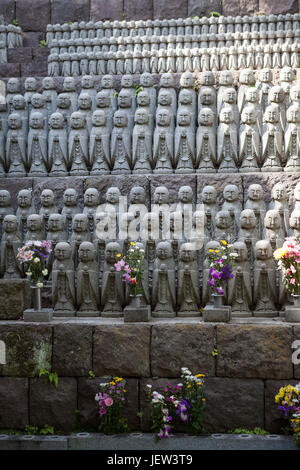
column 37, row 243
column 36, row 260
column 103, row 384
column 28, row 274
column 45, row 272
column 149, row 386
column 39, row 284
column 234, row 255
column 97, row 397
column 224, row 257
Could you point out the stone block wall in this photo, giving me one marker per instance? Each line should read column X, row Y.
column 253, row 361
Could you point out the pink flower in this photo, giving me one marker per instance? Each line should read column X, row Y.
column 108, row 401
column 102, row 411
column 292, row 281
column 288, row 271
column 293, row 269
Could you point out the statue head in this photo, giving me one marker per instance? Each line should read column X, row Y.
column 248, row 115
column 161, row 195
column 248, row 219
column 69, row 84
column 13, row 85
column 247, row 77
column 37, row 100
column 80, row 223
column 223, row 219
column 84, row 101
column 35, row 222
column 55, row 223
column 184, row 118
column 107, row 81
column 187, row 80
column 36, row 120
column 5, row 198
column 187, row 252
column 57, row 121
column 185, row 194
column 295, row 93
column 211, row 245
column 91, row 197
column 263, row 250
column 278, row 192
column 87, row 81
column 293, row 113
column 47, row 198
column 207, row 96
column 113, row 195
column 163, row 117
column 77, row 120
column 231, row 193
column 240, row 248
column 127, row 81
column 294, row 219
column 10, row 223
column 63, row 101
column 48, row 83
column 252, row 95
column 120, row 119
column 14, row 121
column 137, row 195
column 112, row 249
column 164, row 250
column 164, row 98
column 86, row 252
column 19, row 102
column 30, row 84
column 70, row 197
column 103, row 99
column 206, row 117
column 62, row 251
column 141, row 116
column 98, row 118
column 143, row 98
column 166, row 80
column 186, row 96
column 229, row 95
column 272, row 219
column 226, row 78
column 207, row 78
column 146, row 80
column 255, row 192
column 209, row 195
column 226, row 115
column 276, row 94
column 286, row 74
column 265, row 75
column 24, row 198
column 124, row 99
column 272, row 113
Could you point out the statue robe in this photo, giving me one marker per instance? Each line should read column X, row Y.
column 240, row 290
column 121, row 150
column 10, row 267
column 163, row 290
column 227, row 147
column 264, row 293
column 37, row 152
column 78, row 152
column 271, row 147
column 63, row 287
column 87, row 292
column 112, row 291
column 58, row 152
column 249, row 147
column 206, row 149
column 163, row 149
column 188, row 289
column 142, row 149
column 292, row 146
column 16, row 153
column 184, row 149
column 99, row 150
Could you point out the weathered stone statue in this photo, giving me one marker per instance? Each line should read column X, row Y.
column 163, row 143
column 20, row 107
column 184, row 152
column 277, row 96
column 99, row 144
column 163, row 282
column 48, row 206
column 229, row 98
column 112, row 290
column 206, row 142
column 121, row 144
column 64, row 107
column 80, row 233
column 227, row 142
column 30, row 86
column 13, row 87
column 38, row 104
column 264, row 85
column 286, row 81
column 188, row 297
column 274, row 231
column 206, row 289
column 142, row 143
column 15, row 147
column 128, row 84
column 78, row 145
column 225, row 81
column 248, row 232
column 25, row 208
column 69, row 87
column 264, row 293
column 63, row 281
column 187, row 82
column 146, row 81
column 246, row 79
column 292, row 139
column 70, row 208
column 5, row 206
column 87, row 87
column 249, row 150
column 207, row 99
column 50, row 95
column 10, row 242
column 35, row 228
column 271, row 140
column 37, row 146
column 280, row 202
column 57, row 146
column 165, row 103
column 87, row 292
column 167, row 84
column 252, row 100
column 240, row 287
column 107, row 83
column 223, row 229
column 256, row 202
column 294, row 222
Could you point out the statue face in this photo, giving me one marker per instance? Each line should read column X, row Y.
column 226, row 78
column 143, row 99
column 13, row 85
column 56, row 121
column 266, row 75
column 183, row 118
column 186, row 80
column 37, row 101
column 229, row 96
column 84, row 101
column 34, row 222
column 248, row 116
column 263, row 250
column 111, row 251
column 14, row 121
column 70, row 197
column 4, row 198
column 127, row 81
column 248, row 219
column 252, row 95
column 207, row 97
column 206, row 117
column 165, row 98
column 287, row 75
column 107, row 81
column 241, row 249
column 272, row 220
column 47, row 198
column 293, row 114
column 226, row 116
column 295, row 93
column 55, row 223
column 186, row 97
column 161, row 195
column 207, row 78
column 18, row 102
column 30, row 84
column 279, row 192
column 146, row 80
column 255, row 192
column 62, row 251
column 91, row 197
column 124, row 99
column 10, row 223
column 185, row 194
column 24, row 198
column 246, row 77
column 295, row 220
column 163, row 118
column 102, row 100
column 48, row 83
column 223, row 220
column 86, row 252
column 187, row 253
column 99, row 118
column 141, row 117
column 276, row 94
column 77, row 120
column 80, row 223
column 36, row 121
column 120, row 119
column 166, row 80
column 137, row 195
column 271, row 114
column 209, row 195
column 69, row 84
column 113, row 195
column 231, row 193
column 87, row 81
column 63, row 101
column 163, row 250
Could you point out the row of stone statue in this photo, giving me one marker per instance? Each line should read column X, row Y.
column 180, row 26
column 177, row 60
column 10, row 37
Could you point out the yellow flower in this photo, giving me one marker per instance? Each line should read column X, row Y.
column 203, row 399
column 217, row 251
column 112, row 383
column 189, row 386
column 132, row 243
column 199, row 375
column 211, row 251
column 119, row 255
column 279, row 253
column 124, row 390
column 224, row 242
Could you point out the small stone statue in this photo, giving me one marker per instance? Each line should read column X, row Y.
column 87, row 87
column 163, row 145
column 223, row 229
column 256, row 202
column 209, row 206
column 206, row 289
column 80, row 233
column 78, row 145
column 229, row 97
column 35, row 228
column 231, row 201
column 207, row 99
column 264, row 85
column 5, row 206
column 63, row 281
column 249, row 141
column 99, row 146
column 30, row 86
column 297, row 197
column 188, row 282
column 107, row 83
column 206, row 142
column 64, row 107
column 121, row 144
column 87, row 292
column 264, row 293
column 292, row 139
column 274, row 231
column 272, row 139
column 294, row 222
column 15, row 147
column 246, row 79
column 112, row 291
column 248, row 232
column 38, row 104
column 167, row 84
column 184, row 142
column 227, row 142
column 277, row 96
column 239, row 287
column 142, row 143
column 91, row 203
column 10, row 242
column 225, row 81
column 13, row 88
column 85, row 108
column 48, row 205
column 50, row 95
column 20, row 107
column 69, row 87
column 57, row 146
column 163, row 282
column 25, row 208
column 252, row 100
column 37, row 146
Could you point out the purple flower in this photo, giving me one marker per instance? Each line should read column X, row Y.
column 219, row 290
column 211, row 282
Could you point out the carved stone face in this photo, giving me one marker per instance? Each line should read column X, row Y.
column 141, row 117
column 265, row 75
column 187, row 80
column 207, row 97
column 124, row 99
column 70, row 197
column 295, row 93
column 166, row 80
column 10, row 224
column 276, row 94
column 184, row 118
column 241, row 249
column 86, row 252
column 48, row 83
column 207, row 78
column 13, row 85
column 187, row 252
column 102, row 99
column 206, row 117
column 84, row 101
column 47, row 198
column 286, row 74
column 223, row 220
column 143, row 99
column 120, row 119
column 107, row 81
column 255, row 192
column 4, row 198
column 55, row 223
column 69, row 84
column 80, row 223
column 56, row 121
column 137, row 195
column 63, row 101
column 37, row 101
column 30, row 84
column 229, row 96
column 34, row 222
column 248, row 219
column 24, row 198
column 146, row 80
column 77, row 120
column 246, row 77
column 14, row 121
column 272, row 219
column 185, row 194
column 161, row 195
column 163, row 250
column 271, row 114
column 263, row 250
column 163, row 117
column 19, row 102
column 252, row 95
column 231, row 193
column 248, row 115
column 209, row 195
column 293, row 114
column 62, row 251
column 165, row 98
column 226, row 78
column 295, row 220
column 111, row 251
column 279, row 192
column 127, row 81
column 91, row 197
column 99, row 118
column 226, row 116
column 186, row 97
column 87, row 81
column 113, row 195
column 36, row 121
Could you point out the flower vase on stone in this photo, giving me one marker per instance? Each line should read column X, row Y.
column 34, row 255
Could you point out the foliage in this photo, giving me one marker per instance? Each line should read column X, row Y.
column 43, row 43
column 256, row 431
column 132, row 267
column 34, row 430
column 221, row 264
column 111, row 400
column 288, row 401
column 137, row 90
column 215, row 13
column 34, row 256
column 215, row 352
column 288, row 258
column 184, row 401
column 91, row 374
column 15, row 22
column 49, row 377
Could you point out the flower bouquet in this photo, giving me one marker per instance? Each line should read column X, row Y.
column 111, row 400
column 288, row 258
column 288, row 400
column 34, row 255
column 132, row 267
column 184, row 401
column 221, row 264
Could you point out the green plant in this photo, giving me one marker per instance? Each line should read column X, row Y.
column 116, row 94
column 215, row 352
column 256, row 431
column 49, row 377
column 111, row 405
column 47, row 430
column 43, row 43
column 70, row 23
column 32, row 430
column 15, row 22
column 215, row 13
column 137, row 90
column 91, row 374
